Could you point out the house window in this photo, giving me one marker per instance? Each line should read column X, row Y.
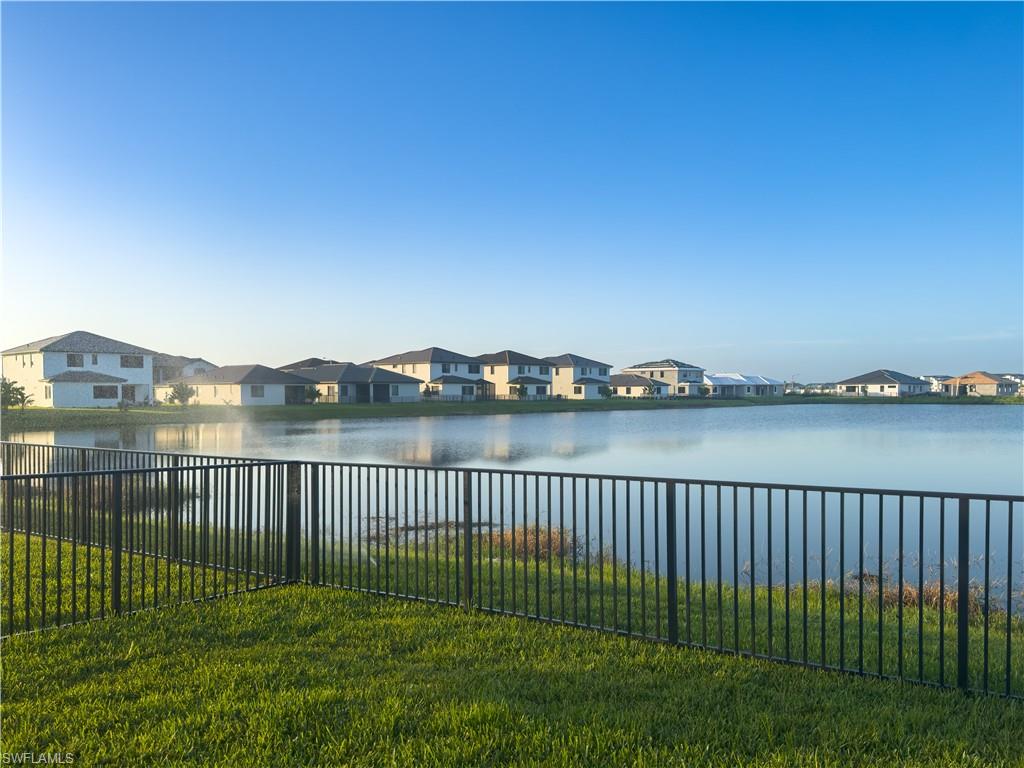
column 131, row 361
column 520, row 369
column 748, row 390
column 629, row 390
column 47, row 392
column 446, row 368
column 343, row 390
column 661, row 374
column 851, row 389
column 492, row 370
column 128, row 392
column 75, row 360
column 255, row 390
column 394, row 390
column 577, row 390
column 456, row 368
column 95, row 360
column 467, row 390
column 104, row 392
column 556, row 371
column 542, row 389
column 474, row 368
column 544, row 370
column 214, row 390
column 584, row 371
column 681, row 389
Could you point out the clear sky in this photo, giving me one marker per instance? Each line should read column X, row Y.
column 793, row 190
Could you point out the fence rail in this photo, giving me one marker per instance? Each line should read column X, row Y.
column 921, row 586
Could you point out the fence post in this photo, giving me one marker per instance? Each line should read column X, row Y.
column 671, row 566
column 314, row 523
column 292, row 522
column 117, row 512
column 174, row 513
column 467, row 548
column 963, row 579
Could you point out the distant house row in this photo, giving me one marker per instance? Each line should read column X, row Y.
column 82, row 369
column 889, row 383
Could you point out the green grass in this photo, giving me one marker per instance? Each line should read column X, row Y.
column 305, row 676
column 16, row 420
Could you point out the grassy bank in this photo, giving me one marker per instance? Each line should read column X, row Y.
column 302, row 676
column 17, row 420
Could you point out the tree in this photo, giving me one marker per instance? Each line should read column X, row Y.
column 705, row 391
column 519, row 391
column 180, row 393
column 605, row 391
column 650, row 390
column 14, row 394
column 312, row 394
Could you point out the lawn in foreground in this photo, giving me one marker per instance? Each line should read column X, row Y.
column 303, row 676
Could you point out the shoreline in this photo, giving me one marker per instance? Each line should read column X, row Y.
column 17, row 421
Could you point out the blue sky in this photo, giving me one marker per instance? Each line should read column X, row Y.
column 794, row 190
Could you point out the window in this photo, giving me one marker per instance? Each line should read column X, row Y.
column 474, row 368
column 681, row 389
column 544, row 370
column 577, row 390
column 520, row 369
column 75, row 360
column 394, row 390
column 556, row 371
column 584, row 371
column 542, row 389
column 47, row 392
column 104, row 392
column 131, row 361
column 851, row 389
column 492, row 370
column 467, row 390
column 214, row 390
column 446, row 368
column 456, row 368
column 255, row 390
column 661, row 374
column 603, row 371
column 629, row 390
column 343, row 390
column 748, row 390
column 95, row 359
column 128, row 392
column 650, row 374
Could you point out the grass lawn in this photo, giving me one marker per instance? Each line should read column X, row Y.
column 16, row 420
column 314, row 676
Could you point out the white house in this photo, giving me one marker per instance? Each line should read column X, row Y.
column 632, row 385
column 242, row 385
column 577, row 378
column 936, row 381
column 882, row 383
column 445, row 374
column 81, row 370
column 351, row 383
column 683, row 379
column 515, row 375
column 731, row 385
column 173, row 367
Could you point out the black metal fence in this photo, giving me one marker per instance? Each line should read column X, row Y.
column 913, row 585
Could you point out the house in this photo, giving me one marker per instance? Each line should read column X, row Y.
column 81, row 370
column 351, row 383
column 731, row 385
column 979, row 384
column 633, row 385
column 935, row 381
column 445, row 374
column 1016, row 378
column 173, row 367
column 242, row 385
column 514, row 375
column 309, row 362
column 820, row 388
column 793, row 388
column 578, row 378
column 684, row 380
column 882, row 383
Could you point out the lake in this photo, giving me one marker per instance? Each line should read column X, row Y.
column 932, row 447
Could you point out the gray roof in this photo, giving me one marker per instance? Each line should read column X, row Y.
column 668, row 362
column 310, row 362
column 428, row 355
column 449, row 379
column 575, row 360
column 163, row 360
column 80, row 341
column 509, row 357
column 86, row 377
column 350, row 373
column 528, row 380
column 588, row 380
column 633, row 380
column 883, row 376
column 245, row 374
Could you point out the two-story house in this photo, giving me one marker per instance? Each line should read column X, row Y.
column 445, row 374
column 683, row 379
column 578, row 378
column 81, row 370
column 515, row 375
column 173, row 367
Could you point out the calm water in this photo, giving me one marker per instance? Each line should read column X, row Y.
column 940, row 447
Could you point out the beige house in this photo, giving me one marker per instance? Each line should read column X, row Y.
column 882, row 383
column 632, row 385
column 514, row 375
column 242, row 385
column 979, row 384
column 578, row 378
column 683, row 379
column 81, row 370
column 446, row 375
column 351, row 383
